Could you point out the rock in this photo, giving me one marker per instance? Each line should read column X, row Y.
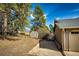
column 13, row 38
column 50, row 36
column 34, row 34
column 23, row 33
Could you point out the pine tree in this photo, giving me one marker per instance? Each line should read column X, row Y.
column 39, row 19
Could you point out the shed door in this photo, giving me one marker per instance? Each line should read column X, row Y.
column 74, row 41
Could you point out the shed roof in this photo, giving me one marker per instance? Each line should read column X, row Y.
column 68, row 23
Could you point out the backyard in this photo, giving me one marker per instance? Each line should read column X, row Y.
column 30, row 29
column 17, row 47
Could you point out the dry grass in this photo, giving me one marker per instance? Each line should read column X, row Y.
column 17, row 47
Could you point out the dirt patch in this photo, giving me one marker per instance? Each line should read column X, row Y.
column 17, row 47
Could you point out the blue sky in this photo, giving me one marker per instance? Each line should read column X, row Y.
column 59, row 11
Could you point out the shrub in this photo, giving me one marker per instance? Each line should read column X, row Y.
column 43, row 31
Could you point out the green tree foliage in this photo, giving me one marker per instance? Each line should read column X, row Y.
column 38, row 12
column 39, row 19
column 22, row 13
column 51, row 27
column 17, row 14
column 39, row 22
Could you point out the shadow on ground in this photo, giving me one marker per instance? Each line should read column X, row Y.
column 47, row 45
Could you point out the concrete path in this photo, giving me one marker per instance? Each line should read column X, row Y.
column 45, row 48
column 69, row 53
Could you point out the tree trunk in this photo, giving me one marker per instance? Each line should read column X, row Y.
column 5, row 25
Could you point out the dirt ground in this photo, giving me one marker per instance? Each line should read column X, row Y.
column 17, row 47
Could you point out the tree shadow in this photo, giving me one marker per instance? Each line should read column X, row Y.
column 47, row 45
column 44, row 43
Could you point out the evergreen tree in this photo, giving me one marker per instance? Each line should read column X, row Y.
column 15, row 15
column 51, row 27
column 39, row 18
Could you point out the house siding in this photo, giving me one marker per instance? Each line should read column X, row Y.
column 66, row 40
column 58, row 35
column 64, row 30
